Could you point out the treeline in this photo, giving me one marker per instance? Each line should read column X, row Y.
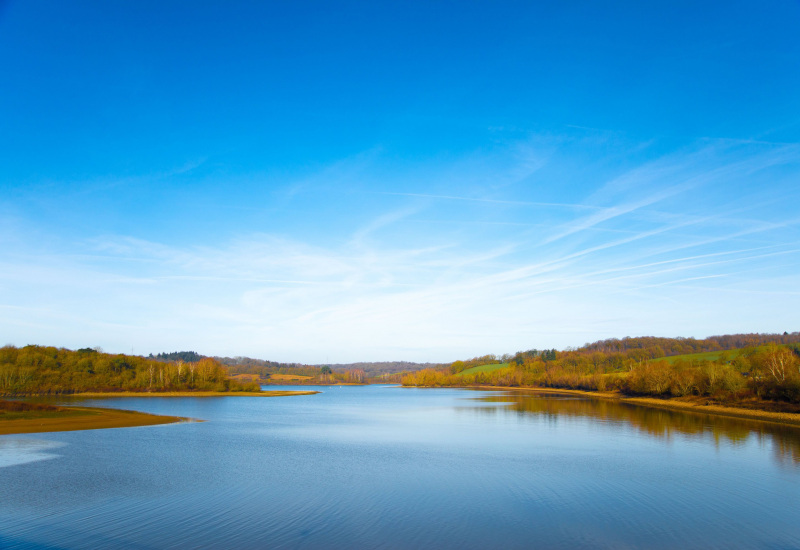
column 266, row 371
column 351, row 376
column 185, row 356
column 349, row 373
column 653, row 346
column 374, row 371
column 765, row 372
column 235, row 365
column 382, row 369
column 248, row 365
column 49, row 370
column 242, row 365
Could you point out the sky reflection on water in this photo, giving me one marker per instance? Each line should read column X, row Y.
column 387, row 467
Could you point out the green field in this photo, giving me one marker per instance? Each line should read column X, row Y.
column 705, row 356
column 483, row 368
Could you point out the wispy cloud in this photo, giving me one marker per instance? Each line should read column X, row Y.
column 380, row 222
column 612, row 212
column 494, row 201
column 435, row 276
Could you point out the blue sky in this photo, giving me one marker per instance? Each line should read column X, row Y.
column 332, row 182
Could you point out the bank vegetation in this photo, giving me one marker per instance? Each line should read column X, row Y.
column 43, row 370
column 764, row 375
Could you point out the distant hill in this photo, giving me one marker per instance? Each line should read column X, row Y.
column 379, row 368
column 264, row 368
column 240, row 361
column 654, row 346
column 637, row 348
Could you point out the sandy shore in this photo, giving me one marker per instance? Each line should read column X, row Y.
column 719, row 410
column 85, row 418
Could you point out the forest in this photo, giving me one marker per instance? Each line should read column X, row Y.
column 44, row 370
column 376, row 370
column 48, row 370
column 727, row 369
column 265, row 369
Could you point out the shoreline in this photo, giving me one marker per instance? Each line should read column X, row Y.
column 87, row 418
column 97, row 418
column 266, row 393
column 789, row 419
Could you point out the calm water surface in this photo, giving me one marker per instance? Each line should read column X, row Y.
column 388, row 467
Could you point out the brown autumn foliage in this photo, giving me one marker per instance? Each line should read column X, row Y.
column 767, row 372
column 49, row 370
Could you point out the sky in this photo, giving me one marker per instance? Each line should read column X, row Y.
column 329, row 182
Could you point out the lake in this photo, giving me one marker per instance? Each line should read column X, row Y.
column 390, row 467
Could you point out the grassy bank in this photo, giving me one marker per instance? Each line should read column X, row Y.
column 482, row 369
column 18, row 418
column 697, row 405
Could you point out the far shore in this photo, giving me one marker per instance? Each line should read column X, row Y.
column 687, row 406
column 86, row 418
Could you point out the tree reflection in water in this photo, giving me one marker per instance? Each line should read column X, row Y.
column 655, row 422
